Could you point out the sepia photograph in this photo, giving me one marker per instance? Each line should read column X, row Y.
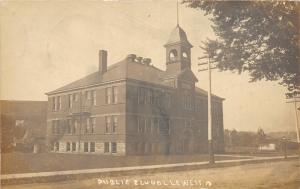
column 146, row 94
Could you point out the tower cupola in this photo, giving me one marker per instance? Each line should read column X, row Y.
column 178, row 50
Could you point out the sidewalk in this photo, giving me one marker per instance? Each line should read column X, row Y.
column 88, row 173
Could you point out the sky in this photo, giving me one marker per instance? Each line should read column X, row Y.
column 47, row 44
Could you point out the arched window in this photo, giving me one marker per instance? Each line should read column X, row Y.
column 173, row 55
column 185, row 55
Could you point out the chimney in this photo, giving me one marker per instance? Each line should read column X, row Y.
column 139, row 59
column 147, row 61
column 131, row 57
column 102, row 61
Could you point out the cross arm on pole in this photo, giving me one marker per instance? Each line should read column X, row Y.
column 205, row 69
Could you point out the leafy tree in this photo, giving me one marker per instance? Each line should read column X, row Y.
column 259, row 37
column 260, row 137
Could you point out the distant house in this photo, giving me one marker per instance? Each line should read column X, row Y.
column 132, row 107
column 23, row 124
column 268, row 147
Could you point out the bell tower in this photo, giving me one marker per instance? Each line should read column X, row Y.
column 178, row 51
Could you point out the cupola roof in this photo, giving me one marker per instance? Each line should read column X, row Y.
column 177, row 36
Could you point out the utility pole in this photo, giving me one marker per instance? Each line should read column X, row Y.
column 209, row 108
column 296, row 98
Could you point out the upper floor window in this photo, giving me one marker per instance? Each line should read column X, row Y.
column 93, row 126
column 59, row 102
column 141, row 124
column 107, row 124
column 167, row 100
column 114, row 124
column 114, row 94
column 142, row 95
column 187, row 102
column 69, row 126
column 173, row 55
column 56, row 103
column 90, row 96
column 111, row 95
column 70, row 100
column 55, row 126
column 90, row 125
column 76, row 97
column 151, row 96
column 184, row 55
column 188, row 124
column 108, row 95
column 94, row 98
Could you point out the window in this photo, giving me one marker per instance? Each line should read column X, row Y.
column 55, row 126
column 167, row 100
column 169, row 127
column 75, row 126
column 85, row 146
column 147, row 126
column 142, row 95
column 69, row 126
column 93, row 124
column 87, row 127
column 188, row 124
column 75, row 97
column 94, row 98
column 73, row 146
column 58, row 102
column 156, row 125
column 141, row 124
column 151, row 96
column 108, row 95
column 185, row 55
column 152, row 126
column 187, row 102
column 88, row 95
column 173, row 55
column 107, row 124
column 53, row 104
column 115, row 124
column 115, row 94
column 106, row 147
column 56, row 146
column 92, row 147
column 68, row 147
column 157, row 99
column 113, row 147
column 70, row 100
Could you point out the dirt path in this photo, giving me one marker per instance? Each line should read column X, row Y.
column 271, row 175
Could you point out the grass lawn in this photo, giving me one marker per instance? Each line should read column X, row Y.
column 28, row 162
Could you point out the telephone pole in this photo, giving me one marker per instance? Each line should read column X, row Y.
column 295, row 96
column 209, row 108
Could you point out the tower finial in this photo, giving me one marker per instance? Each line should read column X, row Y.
column 177, row 14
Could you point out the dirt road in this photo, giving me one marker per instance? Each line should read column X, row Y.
column 271, row 175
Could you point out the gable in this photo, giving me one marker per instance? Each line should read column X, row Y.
column 187, row 75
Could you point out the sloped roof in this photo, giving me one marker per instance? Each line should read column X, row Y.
column 121, row 70
column 127, row 69
column 178, row 35
column 204, row 93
